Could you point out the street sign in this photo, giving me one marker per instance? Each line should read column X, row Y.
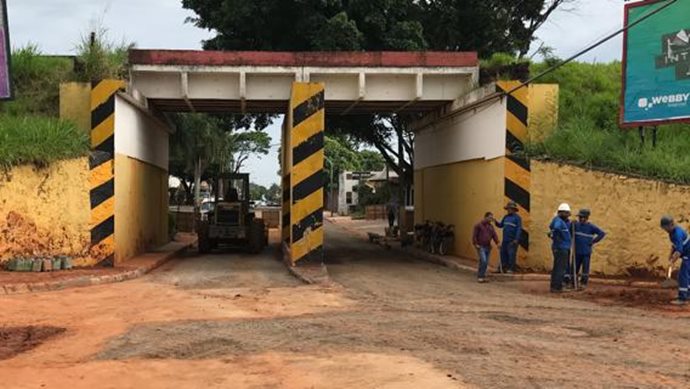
column 656, row 64
column 5, row 54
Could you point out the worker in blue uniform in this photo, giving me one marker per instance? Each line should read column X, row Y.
column 560, row 234
column 512, row 231
column 587, row 235
column 680, row 250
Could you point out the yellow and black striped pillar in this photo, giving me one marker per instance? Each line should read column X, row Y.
column 306, row 180
column 517, row 180
column 102, row 170
column 285, row 184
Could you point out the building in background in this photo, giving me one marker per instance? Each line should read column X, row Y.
column 348, row 182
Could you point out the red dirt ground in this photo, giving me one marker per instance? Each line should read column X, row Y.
column 16, row 340
column 9, row 278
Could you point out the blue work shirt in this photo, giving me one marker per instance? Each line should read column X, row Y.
column 560, row 234
column 512, row 228
column 586, row 235
column 680, row 240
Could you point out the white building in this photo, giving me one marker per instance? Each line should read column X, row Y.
column 347, row 187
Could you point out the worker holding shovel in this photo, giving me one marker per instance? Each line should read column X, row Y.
column 560, row 234
column 680, row 250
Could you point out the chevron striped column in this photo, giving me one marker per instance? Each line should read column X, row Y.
column 306, row 178
column 102, row 170
column 517, row 180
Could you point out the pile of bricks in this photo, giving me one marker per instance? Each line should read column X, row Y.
column 39, row 264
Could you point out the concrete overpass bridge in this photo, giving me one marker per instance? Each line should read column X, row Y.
column 466, row 151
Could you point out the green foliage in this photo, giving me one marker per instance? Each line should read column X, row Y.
column 274, row 195
column 338, row 33
column 257, row 192
column 588, row 133
column 582, row 143
column 100, row 58
column 587, row 90
column 486, row 26
column 499, row 60
column 39, row 140
column 343, row 154
column 367, row 196
column 36, row 79
column 371, row 161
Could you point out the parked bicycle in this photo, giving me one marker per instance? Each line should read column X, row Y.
column 435, row 237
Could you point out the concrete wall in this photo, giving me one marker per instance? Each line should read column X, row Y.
column 459, row 194
column 46, row 211
column 75, row 104
column 459, row 171
column 473, row 135
column 628, row 209
column 141, row 181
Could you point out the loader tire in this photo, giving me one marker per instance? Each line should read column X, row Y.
column 256, row 236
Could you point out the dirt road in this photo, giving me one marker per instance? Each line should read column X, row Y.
column 234, row 321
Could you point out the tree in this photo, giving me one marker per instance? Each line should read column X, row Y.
column 244, row 144
column 485, row 26
column 257, row 192
column 206, row 145
column 198, row 142
column 371, row 161
column 274, row 195
column 98, row 57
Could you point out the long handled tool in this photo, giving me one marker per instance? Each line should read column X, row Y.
column 669, row 282
column 573, row 257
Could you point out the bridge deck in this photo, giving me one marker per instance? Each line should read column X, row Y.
column 356, row 82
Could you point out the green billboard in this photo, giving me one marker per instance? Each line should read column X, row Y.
column 656, row 63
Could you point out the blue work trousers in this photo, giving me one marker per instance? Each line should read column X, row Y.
column 508, row 255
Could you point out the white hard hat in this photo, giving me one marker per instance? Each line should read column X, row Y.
column 564, row 207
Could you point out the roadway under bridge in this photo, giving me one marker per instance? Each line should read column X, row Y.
column 129, row 130
column 467, row 148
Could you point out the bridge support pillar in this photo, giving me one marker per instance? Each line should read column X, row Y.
column 303, row 174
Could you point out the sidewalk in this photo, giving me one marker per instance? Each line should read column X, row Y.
column 360, row 228
column 18, row 283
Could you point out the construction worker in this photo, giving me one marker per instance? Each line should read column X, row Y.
column 680, row 249
column 512, row 230
column 586, row 236
column 482, row 235
column 560, row 234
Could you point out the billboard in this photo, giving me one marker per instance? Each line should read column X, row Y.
column 5, row 81
column 656, row 64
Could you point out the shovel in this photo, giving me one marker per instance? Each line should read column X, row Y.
column 669, row 283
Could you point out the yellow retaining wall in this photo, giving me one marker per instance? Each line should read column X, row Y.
column 628, row 209
column 46, row 211
column 75, row 104
column 141, row 207
column 460, row 194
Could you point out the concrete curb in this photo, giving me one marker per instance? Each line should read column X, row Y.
column 309, row 274
column 84, row 281
column 449, row 263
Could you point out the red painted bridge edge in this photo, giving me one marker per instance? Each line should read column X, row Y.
column 317, row 59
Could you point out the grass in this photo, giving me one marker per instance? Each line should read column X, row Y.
column 39, row 140
column 36, row 79
column 588, row 134
column 580, row 142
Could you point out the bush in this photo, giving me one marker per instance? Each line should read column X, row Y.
column 588, row 133
column 583, row 143
column 39, row 140
column 36, row 80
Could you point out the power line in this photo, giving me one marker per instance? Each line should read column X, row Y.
column 499, row 95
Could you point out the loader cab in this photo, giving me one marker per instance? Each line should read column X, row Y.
column 232, row 221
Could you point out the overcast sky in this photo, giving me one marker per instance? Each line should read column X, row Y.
column 56, row 26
